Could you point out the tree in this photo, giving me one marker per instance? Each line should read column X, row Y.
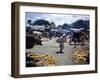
column 29, row 22
column 53, row 25
column 41, row 22
column 65, row 26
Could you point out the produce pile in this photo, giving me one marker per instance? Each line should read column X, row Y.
column 80, row 55
column 35, row 59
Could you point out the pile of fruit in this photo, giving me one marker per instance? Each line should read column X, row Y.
column 42, row 59
column 80, row 56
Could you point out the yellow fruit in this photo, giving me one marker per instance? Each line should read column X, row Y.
column 45, row 59
column 79, row 55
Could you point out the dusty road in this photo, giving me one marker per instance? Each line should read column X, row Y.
column 51, row 47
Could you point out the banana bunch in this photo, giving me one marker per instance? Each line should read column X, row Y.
column 35, row 56
column 49, row 60
column 80, row 56
column 44, row 59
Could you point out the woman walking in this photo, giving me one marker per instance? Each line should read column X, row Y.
column 61, row 44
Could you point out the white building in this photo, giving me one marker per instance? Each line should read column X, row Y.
column 38, row 27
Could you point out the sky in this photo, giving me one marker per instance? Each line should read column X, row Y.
column 58, row 19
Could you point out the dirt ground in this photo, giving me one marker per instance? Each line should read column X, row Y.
column 51, row 47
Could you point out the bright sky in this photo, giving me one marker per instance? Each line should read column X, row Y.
column 58, row 19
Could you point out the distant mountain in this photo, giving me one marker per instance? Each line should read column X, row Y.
column 81, row 24
column 77, row 24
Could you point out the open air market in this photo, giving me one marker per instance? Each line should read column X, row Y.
column 49, row 44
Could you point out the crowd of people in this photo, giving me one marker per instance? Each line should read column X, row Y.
column 76, row 38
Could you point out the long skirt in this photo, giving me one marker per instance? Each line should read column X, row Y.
column 61, row 46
